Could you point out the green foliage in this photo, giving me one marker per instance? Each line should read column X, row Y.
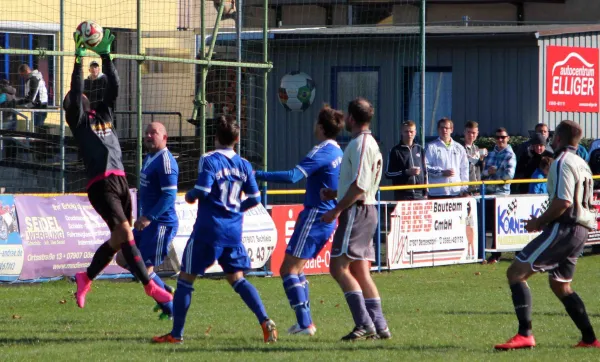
column 453, row 313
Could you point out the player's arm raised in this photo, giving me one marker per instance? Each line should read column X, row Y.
column 305, row 168
column 73, row 100
column 111, row 92
column 250, row 188
column 206, row 178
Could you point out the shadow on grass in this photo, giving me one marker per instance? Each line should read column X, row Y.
column 63, row 340
column 319, row 348
column 495, row 312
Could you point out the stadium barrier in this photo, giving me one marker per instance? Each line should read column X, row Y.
column 49, row 236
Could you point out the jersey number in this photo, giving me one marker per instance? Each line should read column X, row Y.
column 230, row 194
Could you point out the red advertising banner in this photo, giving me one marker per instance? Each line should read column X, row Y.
column 572, row 79
column 284, row 217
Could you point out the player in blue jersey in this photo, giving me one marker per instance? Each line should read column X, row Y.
column 158, row 223
column 222, row 178
column 321, row 167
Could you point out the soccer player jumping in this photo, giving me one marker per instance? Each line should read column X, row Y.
column 222, row 177
column 107, row 186
column 565, row 225
column 158, row 223
column 321, row 167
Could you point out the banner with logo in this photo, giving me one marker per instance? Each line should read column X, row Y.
column 60, row 236
column 11, row 246
column 512, row 213
column 259, row 234
column 285, row 217
column 433, row 232
column 572, row 79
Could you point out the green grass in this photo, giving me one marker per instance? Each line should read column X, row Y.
column 443, row 314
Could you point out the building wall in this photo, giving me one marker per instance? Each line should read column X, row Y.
column 479, row 12
column 588, row 121
column 571, row 10
column 494, row 82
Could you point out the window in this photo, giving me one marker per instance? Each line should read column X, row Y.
column 9, row 64
column 351, row 82
column 371, row 14
column 438, row 96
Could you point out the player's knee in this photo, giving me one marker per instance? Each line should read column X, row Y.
column 187, row 277
column 120, row 259
column 560, row 289
column 232, row 278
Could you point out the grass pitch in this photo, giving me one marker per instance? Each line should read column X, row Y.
column 435, row 314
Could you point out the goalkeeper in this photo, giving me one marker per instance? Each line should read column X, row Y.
column 107, row 186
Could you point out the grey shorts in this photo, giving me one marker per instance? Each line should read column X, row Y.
column 556, row 250
column 354, row 234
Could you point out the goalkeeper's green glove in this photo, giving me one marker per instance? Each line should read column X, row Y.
column 79, row 47
column 104, row 46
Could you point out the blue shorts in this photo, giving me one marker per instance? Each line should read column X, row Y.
column 310, row 234
column 199, row 256
column 154, row 242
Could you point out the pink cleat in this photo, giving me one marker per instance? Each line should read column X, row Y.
column 84, row 285
column 159, row 294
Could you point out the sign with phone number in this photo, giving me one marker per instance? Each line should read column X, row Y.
column 259, row 234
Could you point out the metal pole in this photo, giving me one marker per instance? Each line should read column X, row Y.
column 61, row 66
column 422, row 66
column 378, row 245
column 265, row 92
column 204, row 73
column 238, row 84
column 139, row 98
column 483, row 237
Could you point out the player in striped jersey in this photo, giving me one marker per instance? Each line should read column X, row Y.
column 321, row 167
column 565, row 226
column 158, row 223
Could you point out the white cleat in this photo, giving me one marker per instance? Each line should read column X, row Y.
column 309, row 331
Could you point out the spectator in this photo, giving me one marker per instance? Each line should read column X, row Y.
column 542, row 129
column 500, row 164
column 446, row 161
column 7, row 100
column 406, row 164
column 36, row 94
column 583, row 153
column 95, row 84
column 541, row 173
column 530, row 161
column 474, row 154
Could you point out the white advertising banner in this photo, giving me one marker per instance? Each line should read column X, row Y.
column 259, row 234
column 511, row 215
column 433, row 232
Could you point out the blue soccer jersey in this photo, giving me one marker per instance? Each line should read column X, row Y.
column 223, row 175
column 321, row 167
column 159, row 175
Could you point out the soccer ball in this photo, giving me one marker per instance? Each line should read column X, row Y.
column 91, row 32
column 229, row 7
column 297, row 91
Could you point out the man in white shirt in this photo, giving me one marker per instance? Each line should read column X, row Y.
column 446, row 162
column 352, row 251
column 565, row 226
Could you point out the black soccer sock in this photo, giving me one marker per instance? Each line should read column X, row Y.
column 521, row 296
column 100, row 260
column 134, row 259
column 576, row 309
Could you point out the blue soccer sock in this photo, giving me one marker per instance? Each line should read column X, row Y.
column 181, row 304
column 166, row 307
column 251, row 297
column 305, row 283
column 296, row 294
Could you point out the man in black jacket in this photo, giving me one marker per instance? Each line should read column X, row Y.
column 107, row 186
column 94, row 85
column 406, row 165
column 530, row 160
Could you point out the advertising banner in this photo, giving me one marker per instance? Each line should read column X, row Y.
column 433, row 232
column 285, row 217
column 512, row 213
column 60, row 236
column 259, row 234
column 11, row 248
column 572, row 79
